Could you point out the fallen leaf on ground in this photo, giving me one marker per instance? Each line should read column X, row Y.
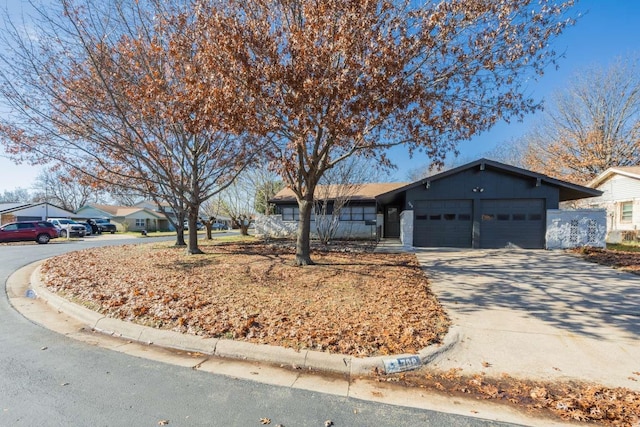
column 353, row 301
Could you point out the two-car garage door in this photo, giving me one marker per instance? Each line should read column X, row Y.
column 502, row 222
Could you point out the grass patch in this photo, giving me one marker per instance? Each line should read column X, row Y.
column 624, row 247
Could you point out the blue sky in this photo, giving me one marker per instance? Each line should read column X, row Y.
column 608, row 29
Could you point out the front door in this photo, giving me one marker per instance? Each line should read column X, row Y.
column 392, row 222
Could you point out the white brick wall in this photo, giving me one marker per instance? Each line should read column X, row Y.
column 576, row 228
column 274, row 227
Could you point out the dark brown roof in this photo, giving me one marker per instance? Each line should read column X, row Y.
column 361, row 192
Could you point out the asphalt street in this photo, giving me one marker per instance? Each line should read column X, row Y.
column 49, row 379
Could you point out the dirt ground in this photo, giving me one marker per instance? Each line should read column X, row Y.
column 351, row 302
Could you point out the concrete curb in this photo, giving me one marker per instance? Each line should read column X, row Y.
column 304, row 359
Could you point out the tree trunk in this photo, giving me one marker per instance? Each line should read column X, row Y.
column 303, row 243
column 192, row 246
column 180, row 237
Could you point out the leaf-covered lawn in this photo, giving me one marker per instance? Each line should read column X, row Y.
column 351, row 302
column 570, row 401
column 625, row 258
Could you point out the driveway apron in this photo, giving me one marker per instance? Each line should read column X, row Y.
column 542, row 315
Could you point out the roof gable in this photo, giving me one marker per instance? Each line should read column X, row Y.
column 115, row 211
column 8, row 207
column 567, row 190
column 106, row 209
column 16, row 207
column 628, row 171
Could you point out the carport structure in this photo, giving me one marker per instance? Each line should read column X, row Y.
column 483, row 204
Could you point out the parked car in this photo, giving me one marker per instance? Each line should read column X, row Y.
column 219, row 226
column 93, row 225
column 24, row 231
column 87, row 226
column 199, row 225
column 66, row 225
column 104, row 226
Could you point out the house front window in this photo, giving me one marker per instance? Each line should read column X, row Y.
column 358, row 213
column 626, row 212
column 290, row 214
column 140, row 222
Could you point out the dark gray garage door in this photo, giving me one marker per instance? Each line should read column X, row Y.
column 518, row 222
column 443, row 223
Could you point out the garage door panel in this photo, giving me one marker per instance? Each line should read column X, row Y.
column 518, row 222
column 443, row 223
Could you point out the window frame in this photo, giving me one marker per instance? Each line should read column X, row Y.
column 626, row 217
column 290, row 213
column 358, row 213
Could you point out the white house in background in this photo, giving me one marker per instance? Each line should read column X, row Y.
column 126, row 218
column 621, row 199
column 12, row 212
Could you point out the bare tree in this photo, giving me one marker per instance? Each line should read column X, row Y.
column 591, row 126
column 336, row 189
column 326, row 80
column 117, row 90
column 238, row 200
column 511, row 152
column 126, row 196
column 428, row 170
column 65, row 188
column 265, row 185
column 16, row 195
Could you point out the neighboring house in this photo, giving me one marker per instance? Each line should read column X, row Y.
column 126, row 218
column 11, row 212
column 620, row 188
column 483, row 204
column 168, row 210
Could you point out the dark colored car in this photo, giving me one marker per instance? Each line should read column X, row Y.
column 219, row 226
column 104, row 226
column 25, row 231
column 93, row 226
column 88, row 227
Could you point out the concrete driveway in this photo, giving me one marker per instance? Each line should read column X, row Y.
column 538, row 314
